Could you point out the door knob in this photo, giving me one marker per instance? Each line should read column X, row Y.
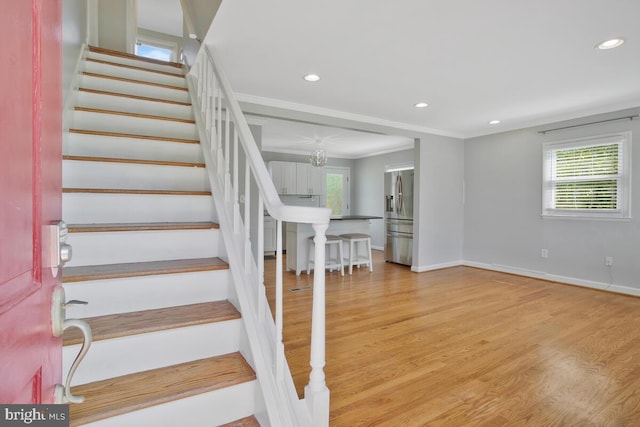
column 59, row 323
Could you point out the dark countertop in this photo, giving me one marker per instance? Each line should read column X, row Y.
column 352, row 217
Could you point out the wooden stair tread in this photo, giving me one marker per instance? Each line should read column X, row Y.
column 134, row 136
column 146, row 321
column 111, row 52
column 142, row 82
column 128, row 114
column 136, row 269
column 120, row 395
column 134, row 161
column 133, row 67
column 136, row 191
column 243, row 422
column 141, row 226
column 142, row 98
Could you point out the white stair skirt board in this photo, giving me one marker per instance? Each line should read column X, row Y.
column 139, row 246
column 121, row 356
column 87, row 208
column 76, row 144
column 134, row 62
column 132, row 73
column 90, row 174
column 203, row 410
column 134, row 125
column 145, row 292
column 133, row 105
column 132, row 88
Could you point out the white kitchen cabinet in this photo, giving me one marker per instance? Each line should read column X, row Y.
column 284, row 177
column 296, row 178
column 308, row 179
column 269, row 235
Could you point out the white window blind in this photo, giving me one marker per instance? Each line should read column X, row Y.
column 587, row 177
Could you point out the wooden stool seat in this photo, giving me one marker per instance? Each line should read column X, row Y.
column 330, row 263
column 353, row 239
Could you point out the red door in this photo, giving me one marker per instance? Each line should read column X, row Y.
column 30, row 196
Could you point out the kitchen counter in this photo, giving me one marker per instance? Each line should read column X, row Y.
column 297, row 239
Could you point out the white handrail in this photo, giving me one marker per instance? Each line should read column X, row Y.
column 225, row 136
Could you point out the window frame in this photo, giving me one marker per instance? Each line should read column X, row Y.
column 623, row 178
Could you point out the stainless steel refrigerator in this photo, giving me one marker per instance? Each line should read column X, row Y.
column 398, row 216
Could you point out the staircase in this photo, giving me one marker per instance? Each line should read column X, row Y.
column 169, row 345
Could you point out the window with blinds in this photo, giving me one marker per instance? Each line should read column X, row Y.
column 587, row 177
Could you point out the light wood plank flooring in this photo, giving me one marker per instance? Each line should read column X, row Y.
column 464, row 346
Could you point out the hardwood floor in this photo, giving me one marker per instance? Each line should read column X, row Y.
column 464, row 346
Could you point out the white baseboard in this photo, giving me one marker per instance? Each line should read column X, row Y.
column 377, row 248
column 423, row 268
column 555, row 278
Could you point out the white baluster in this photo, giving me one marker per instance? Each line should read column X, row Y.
column 227, row 155
column 236, row 205
column 220, row 163
column 261, row 291
column 316, row 393
column 247, row 215
column 279, row 348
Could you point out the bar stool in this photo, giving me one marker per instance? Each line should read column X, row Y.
column 354, row 259
column 330, row 263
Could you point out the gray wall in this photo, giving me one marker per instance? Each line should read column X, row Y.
column 367, row 189
column 503, row 228
column 74, row 34
column 438, row 230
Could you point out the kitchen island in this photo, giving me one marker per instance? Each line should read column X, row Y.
column 298, row 237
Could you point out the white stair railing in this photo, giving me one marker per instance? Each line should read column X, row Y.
column 232, row 156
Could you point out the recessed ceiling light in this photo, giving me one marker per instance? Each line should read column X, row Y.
column 312, row 77
column 421, row 105
column 494, row 122
column 610, row 44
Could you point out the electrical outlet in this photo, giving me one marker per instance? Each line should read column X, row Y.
column 544, row 253
column 608, row 261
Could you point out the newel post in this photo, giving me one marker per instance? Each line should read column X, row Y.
column 316, row 393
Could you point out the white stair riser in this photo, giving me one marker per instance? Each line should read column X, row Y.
column 142, row 246
column 145, row 292
column 87, row 208
column 132, row 88
column 208, row 409
column 134, row 62
column 131, row 73
column 133, row 105
column 89, row 174
column 131, row 148
column 134, row 125
column 134, row 353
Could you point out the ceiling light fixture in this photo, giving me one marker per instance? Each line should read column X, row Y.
column 494, row 122
column 318, row 157
column 610, row 44
column 312, row 77
column 421, row 105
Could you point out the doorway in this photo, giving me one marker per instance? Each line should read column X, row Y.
column 336, row 190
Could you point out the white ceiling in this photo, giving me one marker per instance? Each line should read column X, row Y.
column 163, row 16
column 520, row 61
